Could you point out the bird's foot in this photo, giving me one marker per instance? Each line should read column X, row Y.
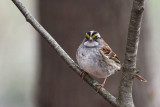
column 100, row 86
column 83, row 74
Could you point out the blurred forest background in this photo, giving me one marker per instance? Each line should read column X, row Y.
column 33, row 75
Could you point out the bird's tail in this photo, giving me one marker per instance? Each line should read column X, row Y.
column 137, row 76
column 140, row 78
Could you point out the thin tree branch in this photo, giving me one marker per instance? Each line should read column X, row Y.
column 93, row 83
column 125, row 98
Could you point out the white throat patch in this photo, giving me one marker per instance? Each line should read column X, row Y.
column 91, row 44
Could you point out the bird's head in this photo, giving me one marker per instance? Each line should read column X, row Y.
column 92, row 39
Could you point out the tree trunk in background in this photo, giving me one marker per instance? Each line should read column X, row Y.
column 68, row 21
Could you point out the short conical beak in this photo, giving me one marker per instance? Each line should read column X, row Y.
column 90, row 39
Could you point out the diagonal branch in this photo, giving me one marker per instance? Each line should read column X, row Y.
column 93, row 83
column 125, row 98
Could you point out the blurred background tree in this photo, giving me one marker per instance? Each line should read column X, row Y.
column 20, row 64
column 68, row 21
column 18, row 56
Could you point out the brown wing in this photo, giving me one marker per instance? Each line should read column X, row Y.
column 107, row 51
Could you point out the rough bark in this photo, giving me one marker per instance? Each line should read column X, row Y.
column 125, row 98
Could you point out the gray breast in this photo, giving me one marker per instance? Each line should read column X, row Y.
column 90, row 60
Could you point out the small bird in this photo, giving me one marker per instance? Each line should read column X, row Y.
column 95, row 57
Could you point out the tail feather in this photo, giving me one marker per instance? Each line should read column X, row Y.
column 140, row 78
column 137, row 76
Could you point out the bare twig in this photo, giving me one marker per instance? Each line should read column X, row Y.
column 125, row 98
column 105, row 94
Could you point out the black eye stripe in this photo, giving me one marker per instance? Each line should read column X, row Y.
column 89, row 33
column 94, row 33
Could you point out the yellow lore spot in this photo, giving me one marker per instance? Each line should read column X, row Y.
column 94, row 35
column 87, row 35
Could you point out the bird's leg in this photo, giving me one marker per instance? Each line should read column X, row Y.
column 83, row 74
column 101, row 85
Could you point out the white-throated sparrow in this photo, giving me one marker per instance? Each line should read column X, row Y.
column 95, row 57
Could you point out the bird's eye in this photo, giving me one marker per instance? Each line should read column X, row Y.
column 95, row 37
